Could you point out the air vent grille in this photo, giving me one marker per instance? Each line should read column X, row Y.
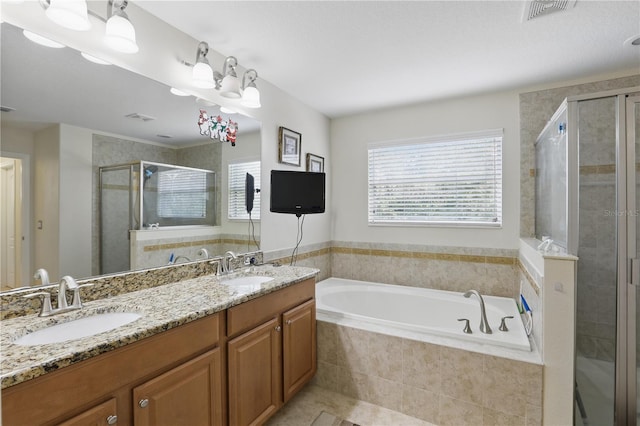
column 536, row 8
column 140, row 117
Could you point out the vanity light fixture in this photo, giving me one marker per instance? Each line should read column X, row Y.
column 230, row 86
column 202, row 74
column 120, row 34
column 41, row 40
column 250, row 93
column 71, row 14
column 226, row 82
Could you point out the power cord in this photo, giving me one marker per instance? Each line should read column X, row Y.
column 294, row 255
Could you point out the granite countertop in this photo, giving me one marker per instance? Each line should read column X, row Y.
column 162, row 308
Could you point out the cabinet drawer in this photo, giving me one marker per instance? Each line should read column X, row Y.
column 255, row 312
column 104, row 414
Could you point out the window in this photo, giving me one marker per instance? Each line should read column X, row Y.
column 454, row 180
column 237, row 175
column 182, row 193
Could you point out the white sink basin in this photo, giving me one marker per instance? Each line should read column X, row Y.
column 247, row 284
column 76, row 329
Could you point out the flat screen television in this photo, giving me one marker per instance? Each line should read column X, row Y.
column 249, row 191
column 297, row 192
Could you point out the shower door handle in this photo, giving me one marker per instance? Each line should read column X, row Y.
column 634, row 271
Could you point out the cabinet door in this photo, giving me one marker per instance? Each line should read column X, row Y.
column 190, row 394
column 255, row 374
column 299, row 347
column 100, row 415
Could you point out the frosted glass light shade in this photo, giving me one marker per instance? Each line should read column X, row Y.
column 230, row 87
column 202, row 76
column 251, row 97
column 41, row 40
column 70, row 14
column 120, row 34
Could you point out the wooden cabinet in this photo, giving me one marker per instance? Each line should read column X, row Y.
column 298, row 347
column 187, row 395
column 254, row 366
column 274, row 355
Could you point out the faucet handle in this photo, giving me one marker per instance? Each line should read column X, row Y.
column 467, row 328
column 503, row 323
column 45, row 308
column 77, row 303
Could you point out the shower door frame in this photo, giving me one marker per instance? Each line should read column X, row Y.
column 625, row 405
column 628, row 280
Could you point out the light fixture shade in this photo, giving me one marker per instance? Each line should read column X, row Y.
column 230, row 87
column 41, row 40
column 93, row 59
column 202, row 76
column 251, row 97
column 70, row 14
column 120, row 34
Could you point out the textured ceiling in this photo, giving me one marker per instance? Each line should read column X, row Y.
column 344, row 57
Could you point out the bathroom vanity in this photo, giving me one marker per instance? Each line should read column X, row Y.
column 203, row 353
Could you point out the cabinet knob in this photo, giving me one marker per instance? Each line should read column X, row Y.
column 143, row 403
column 278, row 328
column 289, row 322
column 112, row 420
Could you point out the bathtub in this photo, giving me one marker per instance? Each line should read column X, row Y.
column 393, row 309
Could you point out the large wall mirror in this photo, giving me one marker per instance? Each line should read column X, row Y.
column 74, row 134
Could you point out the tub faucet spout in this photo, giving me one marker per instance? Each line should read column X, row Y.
column 484, row 324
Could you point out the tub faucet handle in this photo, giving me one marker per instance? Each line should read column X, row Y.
column 503, row 323
column 467, row 328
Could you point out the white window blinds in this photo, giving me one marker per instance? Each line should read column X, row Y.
column 182, row 193
column 237, row 175
column 447, row 180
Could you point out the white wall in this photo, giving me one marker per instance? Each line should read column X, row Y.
column 349, row 139
column 46, row 196
column 160, row 47
column 75, row 200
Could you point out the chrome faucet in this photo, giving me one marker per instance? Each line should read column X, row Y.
column 227, row 267
column 484, row 324
column 174, row 261
column 66, row 283
column 204, row 253
column 42, row 275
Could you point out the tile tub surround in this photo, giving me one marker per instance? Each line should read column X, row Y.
column 442, row 385
column 490, row 271
column 13, row 304
column 162, row 308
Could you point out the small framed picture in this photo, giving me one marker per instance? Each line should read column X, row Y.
column 289, row 146
column 315, row 163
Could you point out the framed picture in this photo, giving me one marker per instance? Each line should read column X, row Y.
column 315, row 163
column 289, row 146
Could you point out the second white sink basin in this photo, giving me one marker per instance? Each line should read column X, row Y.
column 79, row 328
column 246, row 284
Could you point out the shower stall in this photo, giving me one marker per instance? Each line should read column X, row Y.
column 587, row 163
column 146, row 195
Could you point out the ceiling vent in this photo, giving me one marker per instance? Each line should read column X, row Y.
column 537, row 8
column 140, row 117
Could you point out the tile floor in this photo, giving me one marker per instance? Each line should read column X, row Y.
column 303, row 409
